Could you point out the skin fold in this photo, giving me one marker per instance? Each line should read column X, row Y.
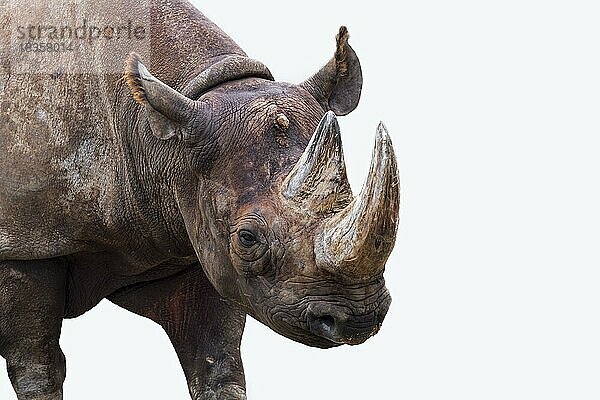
column 191, row 189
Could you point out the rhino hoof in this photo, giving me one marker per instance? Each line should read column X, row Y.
column 229, row 392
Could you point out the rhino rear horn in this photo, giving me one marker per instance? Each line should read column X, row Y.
column 337, row 86
column 319, row 180
column 168, row 110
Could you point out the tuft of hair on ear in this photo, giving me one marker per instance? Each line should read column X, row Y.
column 133, row 79
column 341, row 56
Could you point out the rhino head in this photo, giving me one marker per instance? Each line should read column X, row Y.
column 265, row 198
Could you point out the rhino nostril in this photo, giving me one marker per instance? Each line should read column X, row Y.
column 327, row 323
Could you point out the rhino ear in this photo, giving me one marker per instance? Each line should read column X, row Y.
column 168, row 111
column 338, row 84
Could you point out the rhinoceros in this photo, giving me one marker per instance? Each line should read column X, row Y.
column 192, row 190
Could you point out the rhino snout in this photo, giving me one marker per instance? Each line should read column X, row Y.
column 335, row 324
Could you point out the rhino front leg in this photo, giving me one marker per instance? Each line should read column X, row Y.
column 32, row 301
column 204, row 329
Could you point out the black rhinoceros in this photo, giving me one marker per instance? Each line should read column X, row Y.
column 191, row 192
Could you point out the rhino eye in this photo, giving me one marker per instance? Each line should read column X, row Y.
column 247, row 238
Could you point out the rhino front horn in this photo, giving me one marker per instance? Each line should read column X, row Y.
column 357, row 241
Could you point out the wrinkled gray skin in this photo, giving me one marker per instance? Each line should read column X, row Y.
column 190, row 212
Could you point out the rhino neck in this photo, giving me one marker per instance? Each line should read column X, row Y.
column 146, row 206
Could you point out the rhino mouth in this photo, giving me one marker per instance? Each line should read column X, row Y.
column 330, row 324
column 325, row 327
column 334, row 324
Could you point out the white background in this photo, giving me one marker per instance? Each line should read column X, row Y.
column 493, row 108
